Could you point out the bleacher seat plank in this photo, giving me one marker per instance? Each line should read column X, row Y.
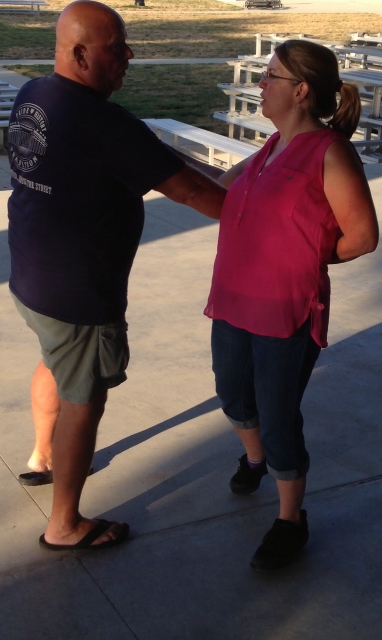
column 25, row 3
column 213, row 142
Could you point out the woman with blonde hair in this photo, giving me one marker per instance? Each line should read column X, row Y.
column 300, row 203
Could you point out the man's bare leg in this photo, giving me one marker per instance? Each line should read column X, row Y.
column 73, row 448
column 45, row 409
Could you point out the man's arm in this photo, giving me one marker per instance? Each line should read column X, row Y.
column 226, row 178
column 207, row 169
column 192, row 188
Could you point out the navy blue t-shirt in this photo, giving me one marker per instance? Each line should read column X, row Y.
column 80, row 166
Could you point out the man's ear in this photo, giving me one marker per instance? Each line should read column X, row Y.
column 79, row 53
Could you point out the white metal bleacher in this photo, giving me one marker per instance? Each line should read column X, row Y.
column 8, row 94
column 375, row 38
column 223, row 152
column 211, row 147
column 245, row 102
column 33, row 4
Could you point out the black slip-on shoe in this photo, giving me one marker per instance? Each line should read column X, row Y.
column 247, row 480
column 281, row 545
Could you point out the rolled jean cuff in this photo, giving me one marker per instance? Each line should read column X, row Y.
column 253, row 423
column 293, row 474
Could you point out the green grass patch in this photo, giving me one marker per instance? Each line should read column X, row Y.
column 184, row 92
column 182, row 29
column 28, row 39
column 31, row 71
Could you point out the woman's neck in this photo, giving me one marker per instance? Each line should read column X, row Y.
column 299, row 122
column 284, row 140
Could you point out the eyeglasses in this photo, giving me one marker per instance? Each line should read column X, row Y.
column 268, row 75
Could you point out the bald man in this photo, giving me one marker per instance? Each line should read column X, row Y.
column 80, row 167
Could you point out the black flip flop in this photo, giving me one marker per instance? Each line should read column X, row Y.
column 37, row 478
column 86, row 541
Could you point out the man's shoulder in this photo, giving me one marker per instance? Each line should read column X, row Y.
column 119, row 111
column 43, row 89
column 118, row 117
column 33, row 84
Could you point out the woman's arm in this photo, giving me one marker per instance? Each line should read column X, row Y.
column 348, row 193
column 234, row 172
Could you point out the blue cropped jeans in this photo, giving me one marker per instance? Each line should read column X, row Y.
column 260, row 381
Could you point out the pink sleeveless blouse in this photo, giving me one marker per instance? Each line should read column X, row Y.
column 277, row 235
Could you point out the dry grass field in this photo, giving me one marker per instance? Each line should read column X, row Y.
column 178, row 29
column 181, row 28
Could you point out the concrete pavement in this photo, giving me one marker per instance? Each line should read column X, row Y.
column 165, row 454
column 164, row 457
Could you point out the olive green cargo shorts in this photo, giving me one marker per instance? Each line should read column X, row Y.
column 84, row 360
